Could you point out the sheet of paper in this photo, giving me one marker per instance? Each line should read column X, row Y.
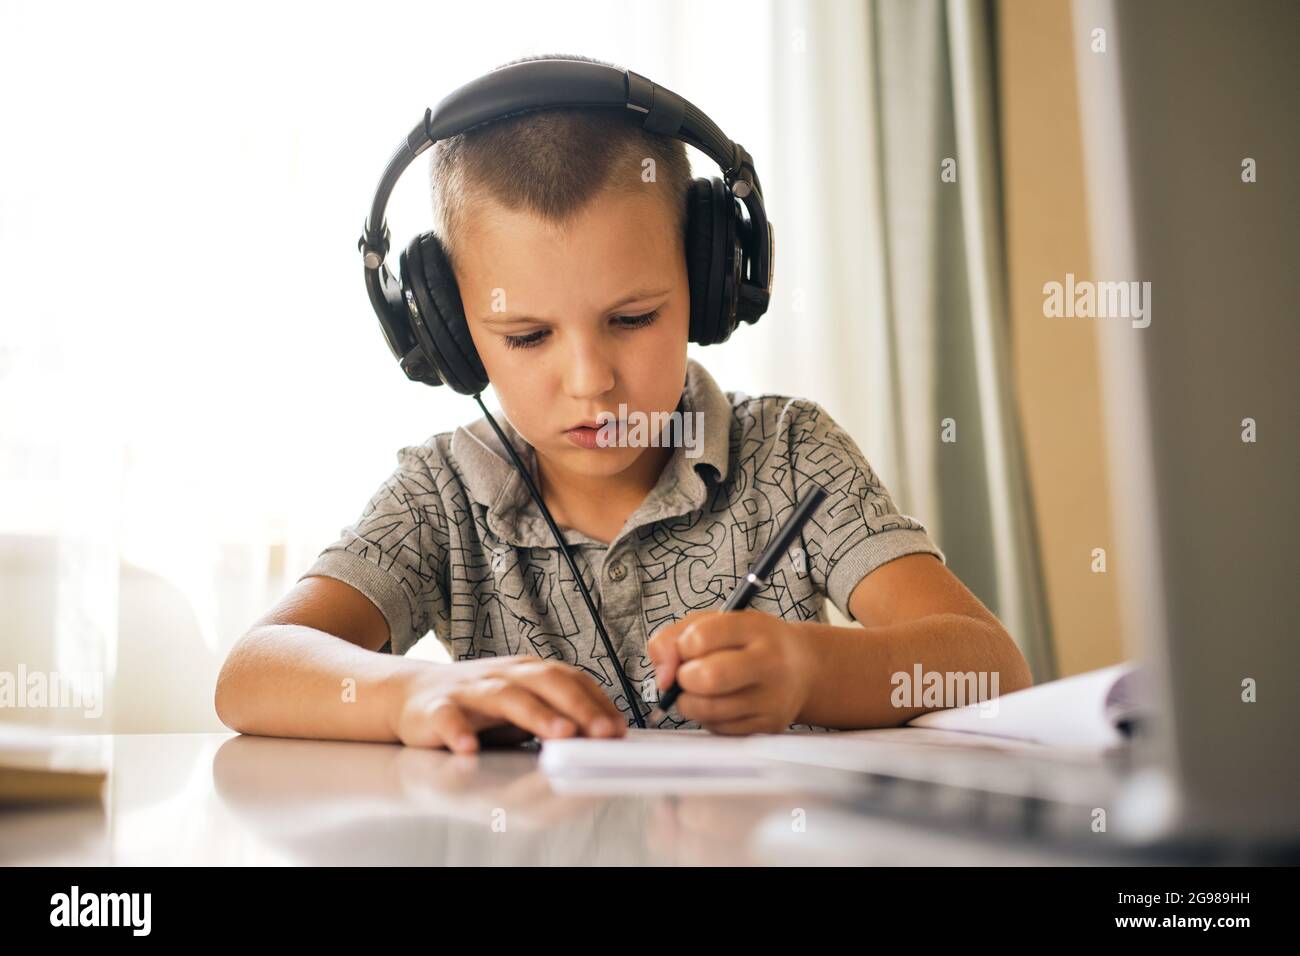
column 1065, row 713
column 654, row 760
column 651, row 750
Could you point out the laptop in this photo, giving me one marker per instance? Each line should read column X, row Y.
column 1202, row 408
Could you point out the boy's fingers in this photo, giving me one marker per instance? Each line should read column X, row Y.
column 608, row 707
column 663, row 651
column 521, row 707
column 665, row 669
column 452, row 728
column 662, row 648
column 723, row 672
column 572, row 694
column 756, row 724
column 665, row 647
column 716, row 632
column 589, row 686
column 723, row 709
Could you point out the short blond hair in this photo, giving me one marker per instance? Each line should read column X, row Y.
column 551, row 163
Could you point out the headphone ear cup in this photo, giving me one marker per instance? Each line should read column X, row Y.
column 423, row 314
column 705, row 289
column 710, row 249
column 444, row 332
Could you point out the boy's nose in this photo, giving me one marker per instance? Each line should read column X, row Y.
column 589, row 373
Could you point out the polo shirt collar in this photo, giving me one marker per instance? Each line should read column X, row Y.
column 490, row 478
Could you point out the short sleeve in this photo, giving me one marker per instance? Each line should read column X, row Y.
column 857, row 528
column 396, row 552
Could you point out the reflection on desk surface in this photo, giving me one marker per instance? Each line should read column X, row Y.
column 228, row 799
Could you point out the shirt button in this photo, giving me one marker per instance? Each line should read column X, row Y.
column 617, row 571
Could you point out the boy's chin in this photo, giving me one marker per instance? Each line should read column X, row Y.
column 601, row 461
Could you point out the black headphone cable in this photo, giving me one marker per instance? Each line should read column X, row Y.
column 564, row 549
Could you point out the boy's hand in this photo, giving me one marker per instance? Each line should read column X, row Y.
column 741, row 672
column 512, row 698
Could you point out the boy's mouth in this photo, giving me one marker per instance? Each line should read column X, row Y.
column 585, row 434
column 583, row 437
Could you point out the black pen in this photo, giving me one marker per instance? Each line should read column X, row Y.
column 756, row 579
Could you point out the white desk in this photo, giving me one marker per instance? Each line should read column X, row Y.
column 227, row 799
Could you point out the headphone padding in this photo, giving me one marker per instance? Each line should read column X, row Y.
column 445, row 318
column 411, row 271
column 701, row 265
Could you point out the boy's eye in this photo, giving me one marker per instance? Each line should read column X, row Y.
column 524, row 341
column 535, row 338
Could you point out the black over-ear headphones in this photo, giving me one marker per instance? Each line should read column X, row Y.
column 729, row 259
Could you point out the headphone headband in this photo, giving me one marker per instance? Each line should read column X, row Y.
column 557, row 83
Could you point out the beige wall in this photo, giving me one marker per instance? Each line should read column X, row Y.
column 1055, row 359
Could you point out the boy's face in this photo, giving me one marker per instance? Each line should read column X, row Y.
column 554, row 316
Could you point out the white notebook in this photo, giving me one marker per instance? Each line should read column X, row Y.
column 651, row 758
column 1086, row 712
column 682, row 761
column 651, row 749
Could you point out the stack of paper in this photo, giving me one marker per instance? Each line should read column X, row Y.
column 1084, row 712
column 1079, row 715
column 39, row 767
column 647, row 759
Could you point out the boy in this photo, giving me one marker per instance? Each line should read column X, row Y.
column 549, row 213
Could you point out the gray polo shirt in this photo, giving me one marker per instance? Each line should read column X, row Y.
column 453, row 542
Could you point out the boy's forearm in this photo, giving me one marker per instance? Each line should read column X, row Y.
column 288, row 680
column 853, row 667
